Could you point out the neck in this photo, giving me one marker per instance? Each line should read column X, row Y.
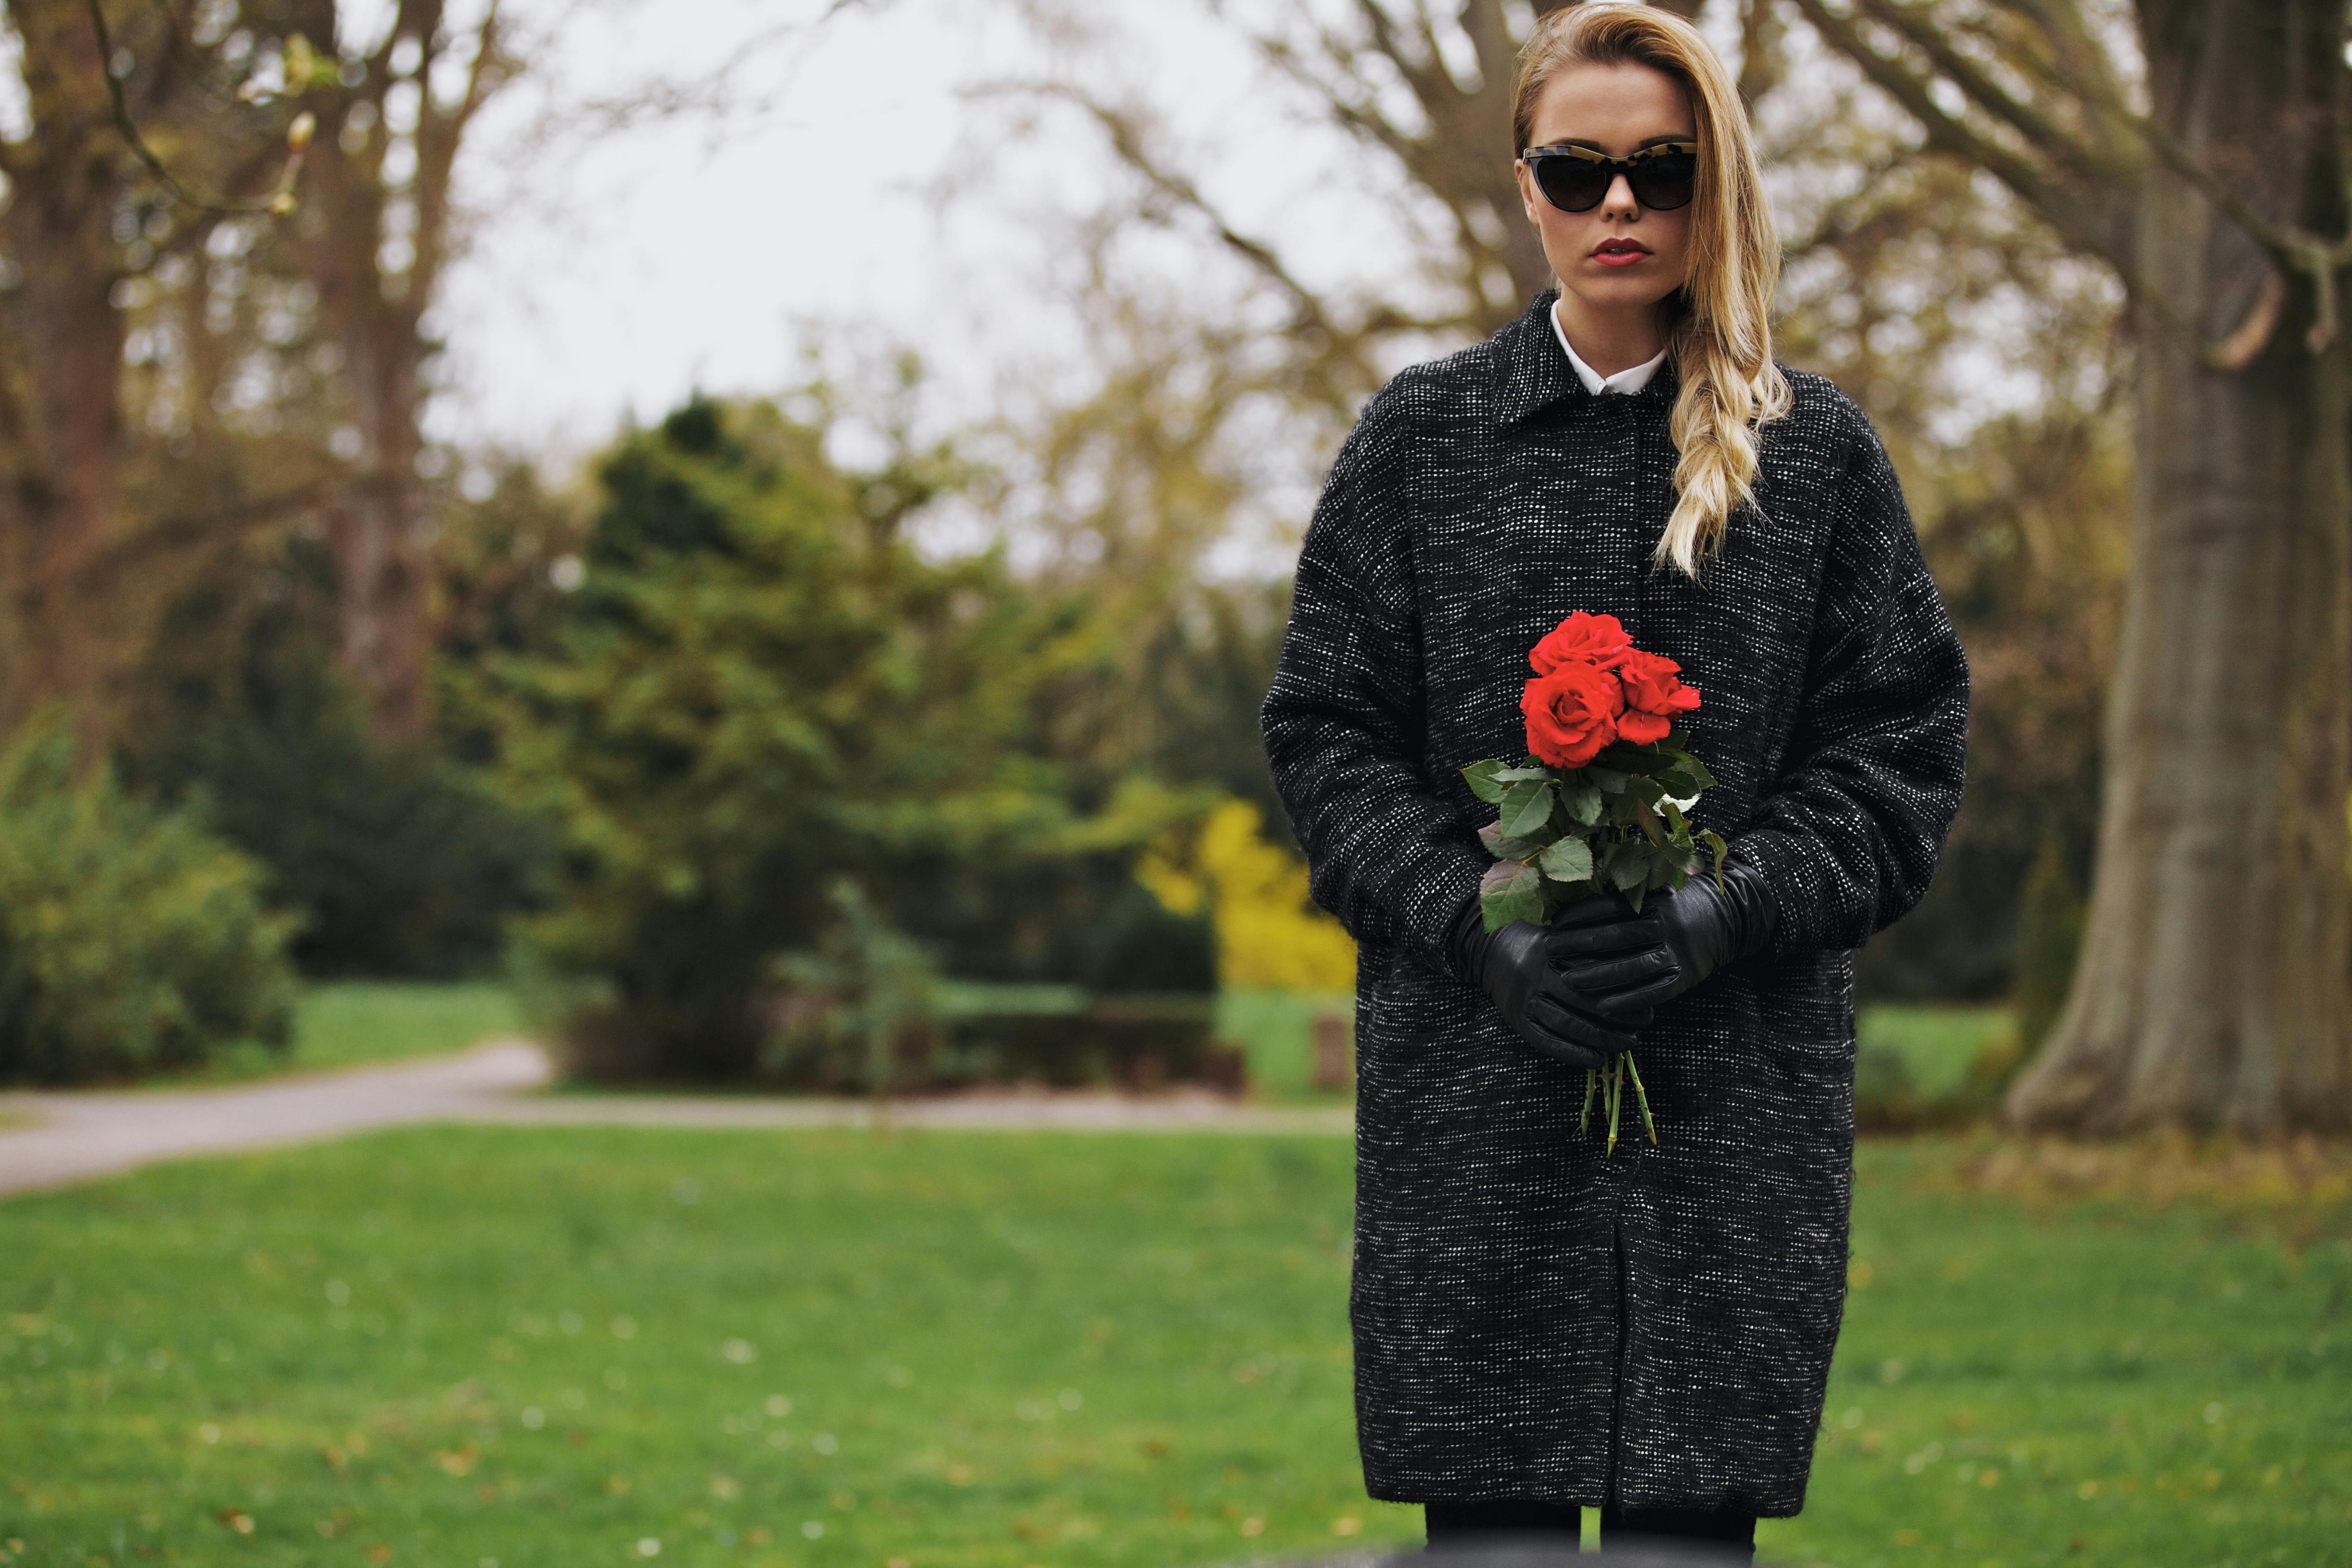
column 1610, row 340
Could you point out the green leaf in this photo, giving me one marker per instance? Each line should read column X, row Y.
column 1504, row 848
column 1697, row 770
column 1646, row 791
column 1480, row 778
column 1629, row 868
column 1582, row 799
column 1510, row 890
column 1513, row 776
column 1569, row 860
column 1677, row 782
column 1713, row 841
column 1608, row 781
column 1525, row 808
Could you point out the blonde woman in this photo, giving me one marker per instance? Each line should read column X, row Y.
column 1538, row 1328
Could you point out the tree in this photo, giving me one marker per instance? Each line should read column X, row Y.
column 153, row 209
column 84, row 218
column 187, row 270
column 2213, row 987
column 758, row 684
column 374, row 236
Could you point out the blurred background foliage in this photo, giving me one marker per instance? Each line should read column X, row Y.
column 131, row 938
column 622, row 725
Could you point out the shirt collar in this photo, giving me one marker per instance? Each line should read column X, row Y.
column 1630, row 380
column 1531, row 373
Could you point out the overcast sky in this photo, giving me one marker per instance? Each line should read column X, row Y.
column 611, row 279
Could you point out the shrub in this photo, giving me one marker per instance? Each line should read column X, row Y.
column 1269, row 933
column 398, row 861
column 759, row 687
column 861, row 1008
column 131, row 938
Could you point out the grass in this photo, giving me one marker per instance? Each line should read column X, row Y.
column 1275, row 1030
column 547, row 1346
column 552, row 1346
column 1939, row 1044
column 2038, row 1380
column 349, row 1023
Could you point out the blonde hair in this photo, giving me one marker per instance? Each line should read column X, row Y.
column 1719, row 327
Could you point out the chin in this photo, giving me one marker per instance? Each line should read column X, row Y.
column 1616, row 292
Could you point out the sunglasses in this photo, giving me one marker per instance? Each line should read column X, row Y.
column 1575, row 179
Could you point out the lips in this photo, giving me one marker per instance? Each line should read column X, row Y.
column 1619, row 253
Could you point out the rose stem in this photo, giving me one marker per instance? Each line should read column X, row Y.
column 1641, row 1098
column 1584, row 1117
column 1616, row 1094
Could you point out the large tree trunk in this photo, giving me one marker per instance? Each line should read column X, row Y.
column 375, row 524
column 2214, row 988
column 376, row 310
column 384, row 635
column 57, row 515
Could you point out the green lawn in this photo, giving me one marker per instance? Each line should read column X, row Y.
column 1939, row 1044
column 346, row 1023
column 1275, row 1030
column 556, row 1346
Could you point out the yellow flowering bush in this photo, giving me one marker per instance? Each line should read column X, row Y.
column 1270, row 935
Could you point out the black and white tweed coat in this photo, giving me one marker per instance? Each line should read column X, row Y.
column 1532, row 1320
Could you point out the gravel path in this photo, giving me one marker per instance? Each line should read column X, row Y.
column 51, row 1139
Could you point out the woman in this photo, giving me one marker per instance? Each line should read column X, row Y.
column 1540, row 1328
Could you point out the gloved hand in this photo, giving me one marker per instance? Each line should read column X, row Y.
column 1627, row 965
column 1514, row 967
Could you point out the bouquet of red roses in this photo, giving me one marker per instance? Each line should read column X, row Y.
column 1599, row 803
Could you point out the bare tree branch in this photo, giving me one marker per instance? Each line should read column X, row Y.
column 280, row 201
column 1948, row 132
column 2046, row 134
column 1127, row 140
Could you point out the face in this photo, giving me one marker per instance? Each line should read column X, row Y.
column 1619, row 256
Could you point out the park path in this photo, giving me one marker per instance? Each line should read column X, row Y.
column 52, row 1138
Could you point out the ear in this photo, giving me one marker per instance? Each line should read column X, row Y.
column 1528, row 193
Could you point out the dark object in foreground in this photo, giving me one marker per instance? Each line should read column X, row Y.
column 1533, row 1552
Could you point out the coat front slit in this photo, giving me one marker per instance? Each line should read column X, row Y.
column 1530, row 1319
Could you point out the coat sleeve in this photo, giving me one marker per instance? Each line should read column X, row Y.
column 1848, row 835
column 1388, row 853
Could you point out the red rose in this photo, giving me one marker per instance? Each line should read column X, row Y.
column 1572, row 713
column 1653, row 695
column 1596, row 640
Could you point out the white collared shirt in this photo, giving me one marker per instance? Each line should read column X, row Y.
column 1628, row 381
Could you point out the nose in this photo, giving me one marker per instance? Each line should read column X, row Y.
column 1620, row 202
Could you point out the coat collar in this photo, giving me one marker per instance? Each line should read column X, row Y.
column 1532, row 374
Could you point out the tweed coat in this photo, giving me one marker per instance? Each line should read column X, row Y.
column 1531, row 1319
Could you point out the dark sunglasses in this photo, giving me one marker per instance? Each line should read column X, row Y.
column 1575, row 179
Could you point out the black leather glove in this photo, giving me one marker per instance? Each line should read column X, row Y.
column 1514, row 967
column 1628, row 966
